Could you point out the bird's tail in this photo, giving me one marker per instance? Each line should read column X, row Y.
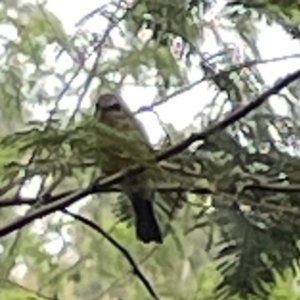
column 147, row 227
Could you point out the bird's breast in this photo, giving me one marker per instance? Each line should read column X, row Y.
column 117, row 158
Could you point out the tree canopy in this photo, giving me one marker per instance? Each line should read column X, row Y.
column 228, row 183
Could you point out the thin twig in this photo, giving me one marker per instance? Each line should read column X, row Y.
column 234, row 68
column 135, row 269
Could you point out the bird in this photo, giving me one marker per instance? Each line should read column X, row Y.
column 112, row 111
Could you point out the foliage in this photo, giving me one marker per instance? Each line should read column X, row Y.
column 228, row 205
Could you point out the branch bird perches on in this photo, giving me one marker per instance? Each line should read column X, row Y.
column 230, row 119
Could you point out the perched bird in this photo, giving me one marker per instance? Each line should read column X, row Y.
column 112, row 111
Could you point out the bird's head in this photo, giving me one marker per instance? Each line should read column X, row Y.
column 107, row 103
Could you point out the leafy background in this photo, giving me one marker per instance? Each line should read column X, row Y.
column 228, row 204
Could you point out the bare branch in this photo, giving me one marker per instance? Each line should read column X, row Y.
column 135, row 269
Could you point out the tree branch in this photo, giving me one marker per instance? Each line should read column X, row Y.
column 135, row 269
column 233, row 68
column 117, row 177
column 163, row 188
column 231, row 118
